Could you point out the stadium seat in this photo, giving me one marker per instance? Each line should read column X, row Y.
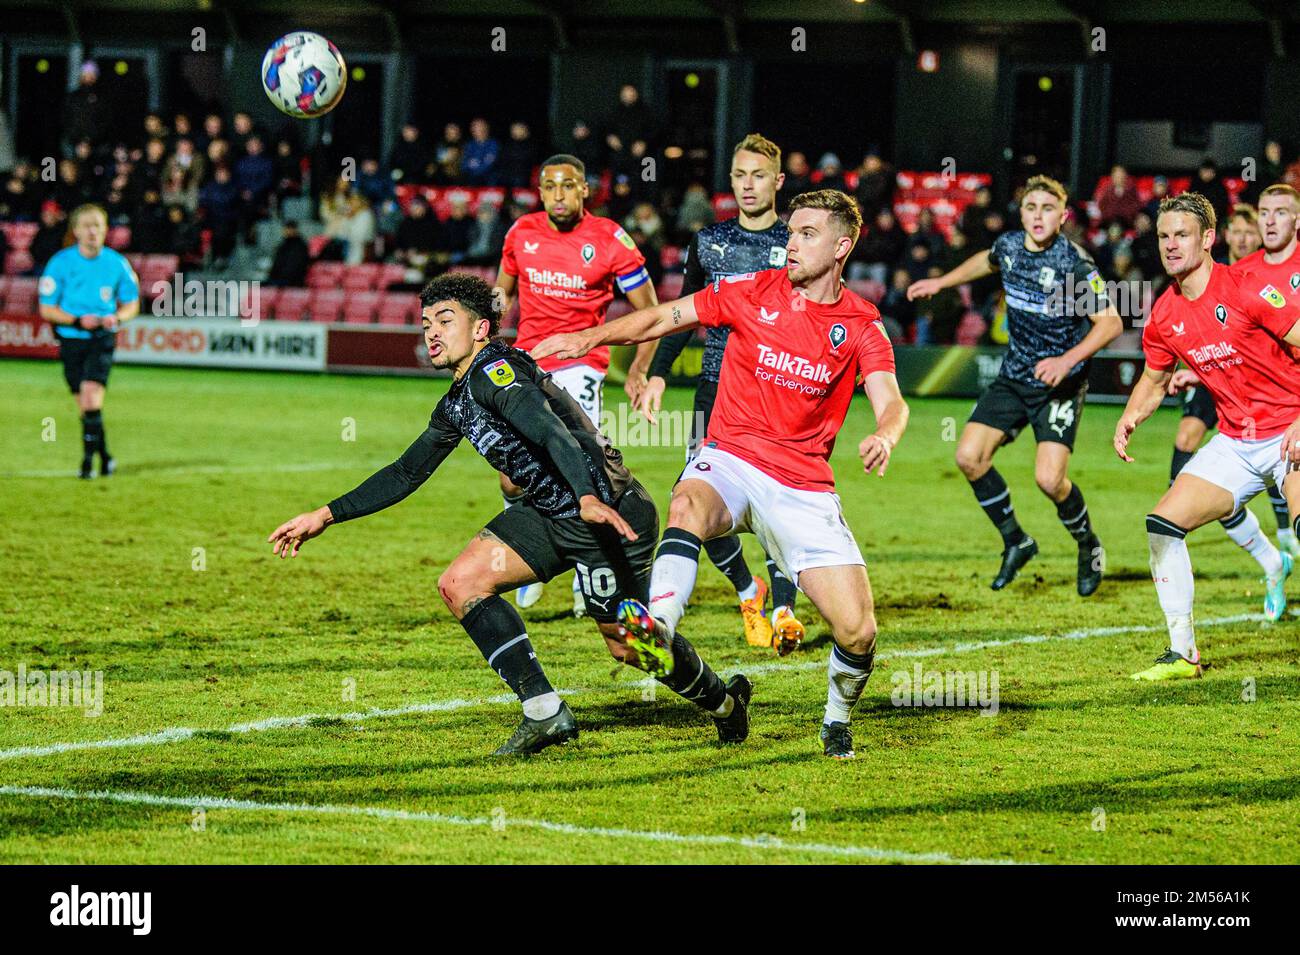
column 870, row 289
column 671, row 286
column 290, row 304
column 361, row 278
column 119, row 237
column 267, row 295
column 4, row 287
column 137, row 261
column 164, row 262
column 359, row 307
column 327, row 304
column 324, row 274
column 19, row 235
column 392, row 273
column 971, row 328
column 20, row 296
column 399, row 308
column 18, row 261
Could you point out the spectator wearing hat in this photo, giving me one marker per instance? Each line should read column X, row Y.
column 832, row 173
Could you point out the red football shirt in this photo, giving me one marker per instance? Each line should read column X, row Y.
column 788, row 373
column 566, row 279
column 1231, row 336
column 1283, row 276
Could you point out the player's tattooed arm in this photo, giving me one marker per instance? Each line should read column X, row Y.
column 643, row 325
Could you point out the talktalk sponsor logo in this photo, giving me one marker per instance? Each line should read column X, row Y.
column 1208, row 353
column 787, row 364
column 556, row 278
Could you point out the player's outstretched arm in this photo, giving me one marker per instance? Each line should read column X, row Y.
column 1142, row 404
column 891, row 413
column 976, row 267
column 384, row 488
column 643, row 325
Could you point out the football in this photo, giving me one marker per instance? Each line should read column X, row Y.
column 304, row 75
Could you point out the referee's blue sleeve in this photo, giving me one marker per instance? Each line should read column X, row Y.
column 50, row 286
column 128, row 286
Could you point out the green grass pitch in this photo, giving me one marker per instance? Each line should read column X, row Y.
column 160, row 578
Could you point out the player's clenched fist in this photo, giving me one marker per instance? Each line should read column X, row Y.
column 564, row 345
column 290, row 536
column 1123, row 431
column 1182, row 379
column 874, row 452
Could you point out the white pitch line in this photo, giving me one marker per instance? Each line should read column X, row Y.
column 176, row 734
column 766, row 843
column 179, row 733
column 144, row 468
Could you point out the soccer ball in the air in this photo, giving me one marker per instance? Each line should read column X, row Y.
column 304, row 75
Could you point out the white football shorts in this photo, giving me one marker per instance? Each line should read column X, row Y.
column 584, row 384
column 1243, row 468
column 798, row 529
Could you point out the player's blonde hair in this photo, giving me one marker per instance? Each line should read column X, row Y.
column 1244, row 210
column 84, row 208
column 1045, row 184
column 1192, row 203
column 758, row 143
column 1282, row 189
column 843, row 209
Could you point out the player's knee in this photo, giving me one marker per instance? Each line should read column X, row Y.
column 859, row 636
column 1050, row 481
column 457, row 586
column 1187, row 443
column 970, row 462
column 684, row 512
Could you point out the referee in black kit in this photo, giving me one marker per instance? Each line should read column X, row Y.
column 86, row 291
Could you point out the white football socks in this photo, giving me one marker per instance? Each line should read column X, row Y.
column 1171, row 568
column 673, row 576
column 1247, row 534
column 845, row 680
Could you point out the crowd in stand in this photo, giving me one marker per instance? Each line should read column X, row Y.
column 197, row 187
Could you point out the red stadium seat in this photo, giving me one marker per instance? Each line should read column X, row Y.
column 164, row 262
column 359, row 307
column 671, row 286
column 18, row 261
column 4, row 286
column 971, row 329
column 391, row 274
column 119, row 237
column 327, row 304
column 21, row 295
column 291, row 304
column 267, row 295
column 324, row 274
column 361, row 278
column 19, row 235
column 399, row 308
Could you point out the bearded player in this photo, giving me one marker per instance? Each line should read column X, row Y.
column 753, row 241
column 583, row 510
column 1058, row 317
column 563, row 263
column 799, row 342
column 1235, row 331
